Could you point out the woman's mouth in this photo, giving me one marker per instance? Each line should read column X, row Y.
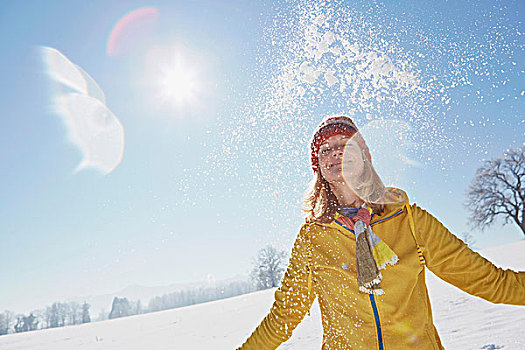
column 339, row 164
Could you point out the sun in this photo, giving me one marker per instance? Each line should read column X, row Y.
column 178, row 82
column 173, row 78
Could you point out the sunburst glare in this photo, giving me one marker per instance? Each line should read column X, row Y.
column 174, row 79
column 178, row 82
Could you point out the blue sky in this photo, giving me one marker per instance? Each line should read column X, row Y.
column 205, row 183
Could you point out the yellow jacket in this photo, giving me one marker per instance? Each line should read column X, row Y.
column 322, row 264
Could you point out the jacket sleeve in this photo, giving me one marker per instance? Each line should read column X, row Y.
column 451, row 260
column 291, row 304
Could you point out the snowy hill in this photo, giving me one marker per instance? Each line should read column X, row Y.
column 145, row 293
column 467, row 322
column 464, row 322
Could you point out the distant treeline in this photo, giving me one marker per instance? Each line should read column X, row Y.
column 56, row 315
column 199, row 295
column 61, row 314
column 267, row 272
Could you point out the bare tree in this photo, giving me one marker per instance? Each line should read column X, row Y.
column 498, row 190
column 85, row 313
column 6, row 320
column 121, row 307
column 40, row 315
column 56, row 315
column 32, row 322
column 26, row 323
column 62, row 313
column 73, row 312
column 52, row 316
column 3, row 325
column 268, row 268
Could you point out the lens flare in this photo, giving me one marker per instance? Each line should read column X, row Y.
column 132, row 31
column 361, row 176
column 81, row 103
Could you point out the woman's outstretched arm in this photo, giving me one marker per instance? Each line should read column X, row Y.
column 453, row 261
column 291, row 304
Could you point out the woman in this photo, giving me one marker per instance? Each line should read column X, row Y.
column 362, row 252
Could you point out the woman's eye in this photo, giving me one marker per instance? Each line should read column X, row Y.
column 325, row 151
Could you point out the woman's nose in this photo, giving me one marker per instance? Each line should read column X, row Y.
column 337, row 152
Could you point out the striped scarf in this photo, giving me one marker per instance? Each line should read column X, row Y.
column 372, row 254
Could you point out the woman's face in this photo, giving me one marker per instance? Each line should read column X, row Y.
column 332, row 162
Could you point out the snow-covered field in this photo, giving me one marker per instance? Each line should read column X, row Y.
column 464, row 322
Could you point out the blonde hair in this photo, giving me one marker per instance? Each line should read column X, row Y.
column 320, row 202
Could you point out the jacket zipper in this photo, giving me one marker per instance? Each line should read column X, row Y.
column 377, row 320
column 379, row 331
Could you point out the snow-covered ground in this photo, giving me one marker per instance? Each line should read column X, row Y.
column 463, row 321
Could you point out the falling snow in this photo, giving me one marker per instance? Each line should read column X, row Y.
column 327, row 58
